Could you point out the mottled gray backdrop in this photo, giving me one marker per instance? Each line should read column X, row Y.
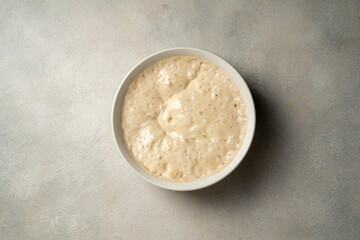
column 62, row 177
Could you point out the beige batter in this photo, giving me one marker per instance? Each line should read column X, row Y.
column 183, row 119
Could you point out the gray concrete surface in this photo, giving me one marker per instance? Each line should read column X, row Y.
column 62, row 177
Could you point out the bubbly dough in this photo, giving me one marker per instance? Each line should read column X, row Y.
column 183, row 119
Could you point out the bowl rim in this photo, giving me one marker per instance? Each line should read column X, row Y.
column 210, row 180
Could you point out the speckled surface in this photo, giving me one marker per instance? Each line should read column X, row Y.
column 62, row 177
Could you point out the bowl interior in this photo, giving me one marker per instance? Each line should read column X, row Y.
column 244, row 90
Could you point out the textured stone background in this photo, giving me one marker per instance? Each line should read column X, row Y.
column 62, row 177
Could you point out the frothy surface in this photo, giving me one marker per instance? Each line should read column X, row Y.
column 183, row 119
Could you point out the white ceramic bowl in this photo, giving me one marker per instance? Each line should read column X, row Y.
column 116, row 118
